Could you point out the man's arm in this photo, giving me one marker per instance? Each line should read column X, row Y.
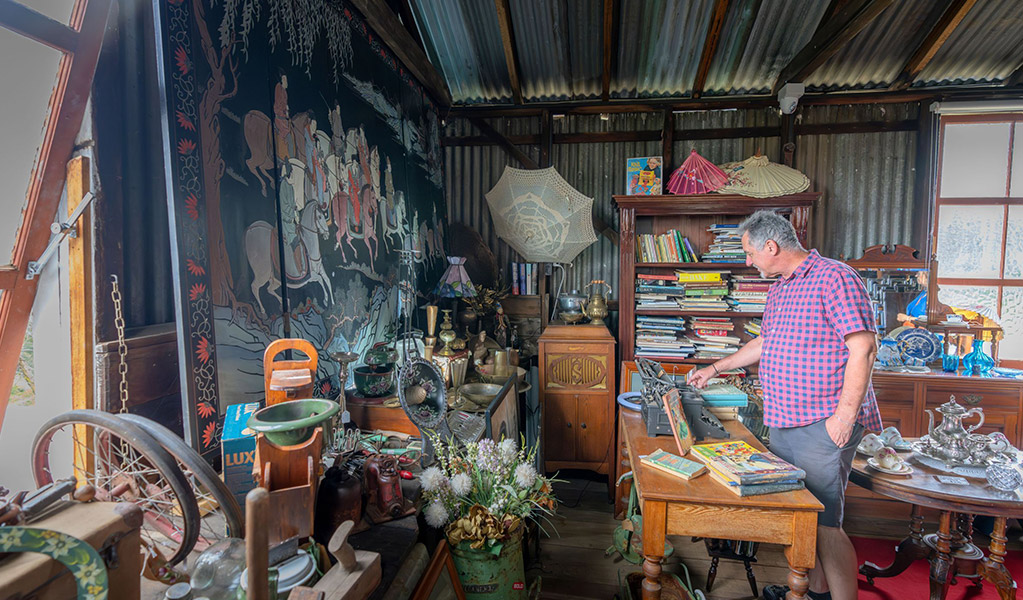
column 745, row 356
column 862, row 350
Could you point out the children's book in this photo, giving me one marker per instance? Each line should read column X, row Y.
column 789, row 485
column 643, row 176
column 673, row 464
column 741, row 463
column 677, row 418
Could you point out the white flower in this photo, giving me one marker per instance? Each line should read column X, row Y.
column 507, row 450
column 436, row 515
column 461, row 484
column 433, row 479
column 525, row 475
column 59, row 546
column 89, row 573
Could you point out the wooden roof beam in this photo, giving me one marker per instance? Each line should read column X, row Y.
column 408, row 19
column 610, row 26
column 1016, row 78
column 848, row 20
column 19, row 18
column 939, row 34
column 508, row 41
column 386, row 25
column 710, row 45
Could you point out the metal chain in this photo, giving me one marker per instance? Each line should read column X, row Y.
column 122, row 347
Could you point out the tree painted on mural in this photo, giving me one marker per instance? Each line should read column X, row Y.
column 298, row 24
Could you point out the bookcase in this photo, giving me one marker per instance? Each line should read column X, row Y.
column 691, row 216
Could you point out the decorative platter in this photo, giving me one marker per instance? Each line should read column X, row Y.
column 920, row 344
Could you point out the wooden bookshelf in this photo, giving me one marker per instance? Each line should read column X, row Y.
column 691, row 216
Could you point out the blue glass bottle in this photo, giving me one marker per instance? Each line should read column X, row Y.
column 977, row 362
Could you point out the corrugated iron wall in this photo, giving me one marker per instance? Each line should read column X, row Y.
column 866, row 179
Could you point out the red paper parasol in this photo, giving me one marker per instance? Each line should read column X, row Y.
column 696, row 175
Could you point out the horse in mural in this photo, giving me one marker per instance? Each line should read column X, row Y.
column 257, row 128
column 301, row 268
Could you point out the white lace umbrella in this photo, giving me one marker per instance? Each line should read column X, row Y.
column 758, row 177
column 541, row 215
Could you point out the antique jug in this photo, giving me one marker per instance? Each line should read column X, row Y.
column 949, row 436
column 595, row 307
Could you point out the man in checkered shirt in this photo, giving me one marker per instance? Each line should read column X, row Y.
column 816, row 351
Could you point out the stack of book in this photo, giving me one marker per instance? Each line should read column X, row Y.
column 662, row 338
column 749, row 294
column 658, row 291
column 746, row 471
column 673, row 464
column 671, row 246
column 727, row 245
column 704, row 290
column 752, row 327
column 712, row 337
column 724, row 400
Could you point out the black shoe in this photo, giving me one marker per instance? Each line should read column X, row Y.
column 775, row 592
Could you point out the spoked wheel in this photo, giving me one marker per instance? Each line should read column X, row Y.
column 125, row 464
column 221, row 516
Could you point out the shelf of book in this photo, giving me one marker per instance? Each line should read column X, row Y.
column 696, row 220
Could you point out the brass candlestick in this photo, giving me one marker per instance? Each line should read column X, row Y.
column 447, row 335
column 431, row 328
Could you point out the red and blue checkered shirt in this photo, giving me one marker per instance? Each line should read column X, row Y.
column 803, row 357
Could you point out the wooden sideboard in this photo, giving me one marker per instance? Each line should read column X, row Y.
column 577, row 397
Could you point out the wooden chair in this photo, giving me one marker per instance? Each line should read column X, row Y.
column 289, row 379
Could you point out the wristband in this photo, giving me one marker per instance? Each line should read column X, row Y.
column 843, row 420
column 715, row 367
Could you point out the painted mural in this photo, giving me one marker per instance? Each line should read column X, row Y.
column 303, row 157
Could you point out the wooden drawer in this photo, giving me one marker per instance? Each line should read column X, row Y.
column 969, row 393
column 577, row 348
column 577, row 370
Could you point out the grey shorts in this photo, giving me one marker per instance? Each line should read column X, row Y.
column 827, row 466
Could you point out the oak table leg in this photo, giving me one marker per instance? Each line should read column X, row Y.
column 801, row 554
column 942, row 564
column 993, row 568
column 908, row 551
column 654, row 525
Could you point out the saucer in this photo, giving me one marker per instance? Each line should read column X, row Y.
column 905, row 470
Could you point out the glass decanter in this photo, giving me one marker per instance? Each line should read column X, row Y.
column 977, row 362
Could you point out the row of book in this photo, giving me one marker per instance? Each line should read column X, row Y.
column 671, row 246
column 675, row 337
column 739, row 467
column 727, row 245
column 524, row 277
column 701, row 291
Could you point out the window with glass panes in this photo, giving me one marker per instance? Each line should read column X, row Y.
column 978, row 225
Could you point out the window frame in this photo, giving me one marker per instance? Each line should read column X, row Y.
column 79, row 42
column 1001, row 282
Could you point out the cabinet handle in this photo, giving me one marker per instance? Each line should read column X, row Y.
column 972, row 399
column 575, row 348
column 569, row 425
column 583, row 425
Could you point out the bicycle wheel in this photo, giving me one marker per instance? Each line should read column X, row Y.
column 125, row 464
column 207, row 486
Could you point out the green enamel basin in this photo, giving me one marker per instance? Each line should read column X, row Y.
column 294, row 421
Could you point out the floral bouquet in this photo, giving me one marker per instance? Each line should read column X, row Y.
column 482, row 492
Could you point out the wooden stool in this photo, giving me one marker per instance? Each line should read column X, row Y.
column 291, row 474
column 289, row 379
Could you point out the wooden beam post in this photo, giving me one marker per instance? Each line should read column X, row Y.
column 80, row 313
column 939, row 34
column 610, row 26
column 393, row 34
column 504, row 142
column 710, row 45
column 667, row 141
column 508, row 42
column 849, row 19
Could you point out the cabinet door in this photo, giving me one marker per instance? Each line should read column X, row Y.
column 559, row 427
column 594, row 438
column 900, row 415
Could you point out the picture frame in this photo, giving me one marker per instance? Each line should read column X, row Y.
column 502, row 414
column 440, row 580
column 677, row 417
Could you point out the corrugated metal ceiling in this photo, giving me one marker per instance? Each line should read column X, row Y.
column 559, row 45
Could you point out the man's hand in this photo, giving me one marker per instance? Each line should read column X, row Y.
column 839, row 430
column 698, row 379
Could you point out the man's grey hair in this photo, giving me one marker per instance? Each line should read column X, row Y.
column 766, row 225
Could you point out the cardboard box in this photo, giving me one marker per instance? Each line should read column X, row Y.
column 239, row 448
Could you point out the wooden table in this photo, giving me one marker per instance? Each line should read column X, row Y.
column 953, row 545
column 702, row 507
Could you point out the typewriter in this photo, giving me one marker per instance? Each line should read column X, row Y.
column 657, row 383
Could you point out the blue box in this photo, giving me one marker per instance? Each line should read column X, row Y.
column 239, row 448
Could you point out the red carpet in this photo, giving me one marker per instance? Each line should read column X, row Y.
column 913, row 582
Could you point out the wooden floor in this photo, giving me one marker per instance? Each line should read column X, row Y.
column 573, row 566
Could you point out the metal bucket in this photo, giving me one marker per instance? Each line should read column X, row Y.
column 486, row 576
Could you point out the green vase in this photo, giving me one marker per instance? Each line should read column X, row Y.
column 488, row 576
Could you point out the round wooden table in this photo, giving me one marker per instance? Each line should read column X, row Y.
column 951, row 551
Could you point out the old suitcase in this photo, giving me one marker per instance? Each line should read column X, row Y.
column 111, row 528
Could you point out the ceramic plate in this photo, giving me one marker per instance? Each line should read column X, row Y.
column 905, row 470
column 919, row 344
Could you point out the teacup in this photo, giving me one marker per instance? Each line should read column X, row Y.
column 891, row 436
column 887, row 458
column 870, row 444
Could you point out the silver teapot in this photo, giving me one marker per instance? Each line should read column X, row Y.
column 949, row 440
